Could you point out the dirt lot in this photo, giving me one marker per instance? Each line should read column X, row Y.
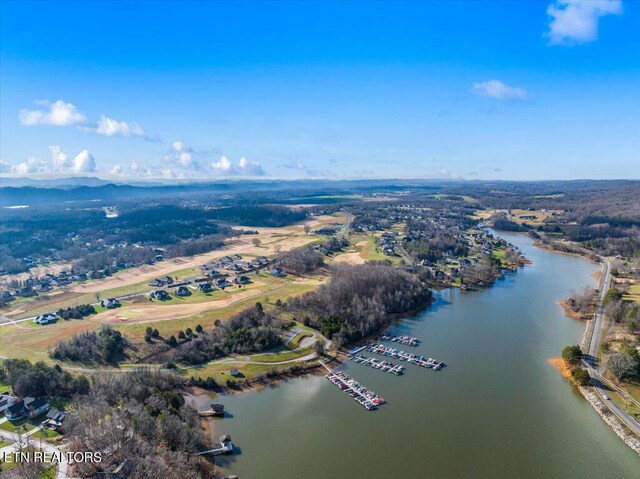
column 353, row 256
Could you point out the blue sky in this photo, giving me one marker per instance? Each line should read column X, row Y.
column 506, row 90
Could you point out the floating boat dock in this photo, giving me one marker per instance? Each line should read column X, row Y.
column 365, row 397
column 406, row 340
column 385, row 366
column 404, row 356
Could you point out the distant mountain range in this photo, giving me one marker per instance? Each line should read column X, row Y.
column 35, row 192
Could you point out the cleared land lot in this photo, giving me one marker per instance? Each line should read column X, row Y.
column 135, row 280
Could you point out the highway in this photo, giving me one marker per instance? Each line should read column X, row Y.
column 590, row 360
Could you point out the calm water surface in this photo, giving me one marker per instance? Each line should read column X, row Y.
column 497, row 411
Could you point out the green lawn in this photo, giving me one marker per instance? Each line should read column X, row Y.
column 295, row 341
column 633, row 294
column 48, row 435
column 4, row 387
column 222, row 371
column 12, row 426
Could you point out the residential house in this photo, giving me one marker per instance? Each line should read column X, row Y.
column 35, row 406
column 159, row 294
column 165, row 280
column 182, row 291
column 6, row 400
column 205, row 287
column 277, row 272
column 243, row 280
column 110, row 303
column 223, row 283
column 54, row 419
column 15, row 411
column 47, row 318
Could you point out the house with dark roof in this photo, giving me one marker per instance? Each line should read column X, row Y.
column 182, row 291
column 35, row 406
column 205, row 287
column 46, row 318
column 54, row 419
column 223, row 283
column 15, row 411
column 110, row 303
column 160, row 294
column 278, row 273
column 6, row 400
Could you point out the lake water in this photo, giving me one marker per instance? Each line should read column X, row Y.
column 499, row 410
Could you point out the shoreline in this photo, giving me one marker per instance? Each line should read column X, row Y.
column 628, row 437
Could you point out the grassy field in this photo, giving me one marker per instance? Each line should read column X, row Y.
column 295, row 342
column 633, row 294
column 370, row 251
column 222, row 371
column 32, row 341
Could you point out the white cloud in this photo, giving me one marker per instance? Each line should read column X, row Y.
column 116, row 170
column 60, row 159
column 32, row 165
column 243, row 168
column 60, row 162
column 182, row 156
column 109, row 127
column 84, row 162
column 223, row 164
column 250, row 168
column 58, row 113
column 576, row 21
column 498, row 90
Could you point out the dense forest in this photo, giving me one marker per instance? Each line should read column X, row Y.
column 358, row 300
column 251, row 330
column 106, row 346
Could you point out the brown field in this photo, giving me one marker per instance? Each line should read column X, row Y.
column 353, row 256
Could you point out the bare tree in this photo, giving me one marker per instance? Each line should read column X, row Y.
column 621, row 365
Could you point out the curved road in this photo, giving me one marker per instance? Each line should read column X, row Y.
column 16, row 439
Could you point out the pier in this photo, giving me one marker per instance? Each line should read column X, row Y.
column 363, row 396
column 385, row 366
column 411, row 358
column 406, row 340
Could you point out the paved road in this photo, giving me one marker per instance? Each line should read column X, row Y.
column 591, row 359
column 15, row 438
column 347, row 226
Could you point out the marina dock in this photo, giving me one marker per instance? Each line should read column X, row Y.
column 385, row 366
column 406, row 340
column 411, row 358
column 365, row 397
